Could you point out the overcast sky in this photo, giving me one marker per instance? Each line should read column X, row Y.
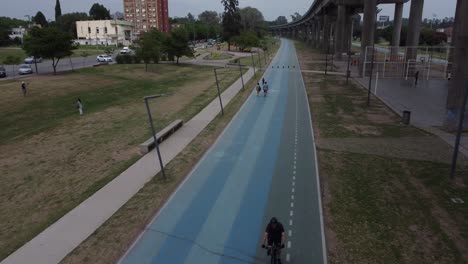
column 271, row 9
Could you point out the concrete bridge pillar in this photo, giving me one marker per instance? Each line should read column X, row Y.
column 459, row 72
column 368, row 29
column 348, row 31
column 340, row 29
column 326, row 32
column 414, row 29
column 397, row 23
column 318, row 33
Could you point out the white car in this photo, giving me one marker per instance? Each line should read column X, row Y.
column 125, row 51
column 33, row 59
column 104, row 58
column 25, row 69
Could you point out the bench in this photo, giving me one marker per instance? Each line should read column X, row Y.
column 162, row 135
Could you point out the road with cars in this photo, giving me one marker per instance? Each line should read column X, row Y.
column 263, row 165
column 45, row 67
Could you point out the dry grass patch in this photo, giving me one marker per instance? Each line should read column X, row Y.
column 112, row 239
column 386, row 192
column 48, row 171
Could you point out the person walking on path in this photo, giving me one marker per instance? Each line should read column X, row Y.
column 263, row 81
column 258, row 88
column 265, row 89
column 24, row 88
column 79, row 105
column 416, row 77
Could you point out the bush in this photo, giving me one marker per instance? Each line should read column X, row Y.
column 127, row 59
column 136, row 59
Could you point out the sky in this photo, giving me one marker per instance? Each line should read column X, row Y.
column 271, row 9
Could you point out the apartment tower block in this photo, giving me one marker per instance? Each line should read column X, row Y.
column 147, row 14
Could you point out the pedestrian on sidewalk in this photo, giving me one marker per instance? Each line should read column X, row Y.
column 416, row 77
column 79, row 105
column 24, row 88
column 263, row 81
column 258, row 88
column 265, row 89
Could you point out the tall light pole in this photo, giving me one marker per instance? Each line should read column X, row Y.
column 219, row 92
column 147, row 98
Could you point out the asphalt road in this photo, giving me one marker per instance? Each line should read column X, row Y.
column 65, row 64
column 263, row 165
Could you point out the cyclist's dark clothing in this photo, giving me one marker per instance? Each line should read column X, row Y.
column 274, row 233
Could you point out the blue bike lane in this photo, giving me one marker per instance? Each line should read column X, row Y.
column 217, row 214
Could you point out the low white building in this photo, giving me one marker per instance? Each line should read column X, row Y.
column 17, row 33
column 104, row 32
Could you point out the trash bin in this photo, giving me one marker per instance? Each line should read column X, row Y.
column 405, row 119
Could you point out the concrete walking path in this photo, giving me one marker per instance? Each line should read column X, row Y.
column 62, row 237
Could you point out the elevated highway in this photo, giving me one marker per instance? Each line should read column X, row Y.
column 327, row 25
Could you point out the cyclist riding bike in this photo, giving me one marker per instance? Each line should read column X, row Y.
column 274, row 235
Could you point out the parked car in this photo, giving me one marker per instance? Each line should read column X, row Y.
column 104, row 58
column 33, row 59
column 2, row 72
column 25, row 69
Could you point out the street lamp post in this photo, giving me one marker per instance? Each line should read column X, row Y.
column 459, row 132
column 241, row 75
column 253, row 62
column 147, row 98
column 219, row 92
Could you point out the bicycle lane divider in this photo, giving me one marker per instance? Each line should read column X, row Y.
column 309, row 243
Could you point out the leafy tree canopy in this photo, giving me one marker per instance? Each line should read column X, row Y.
column 247, row 39
column 209, row 17
column 176, row 45
column 67, row 22
column 252, row 20
column 296, row 16
column 50, row 43
column 99, row 12
column 231, row 20
column 150, row 46
column 40, row 19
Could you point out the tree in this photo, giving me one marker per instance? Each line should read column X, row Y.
column 40, row 19
column 209, row 18
column 176, row 45
column 99, row 12
column 67, row 22
column 296, row 16
column 247, row 39
column 150, row 46
column 252, row 20
column 4, row 36
column 281, row 20
column 58, row 10
column 50, row 43
column 231, row 20
column 190, row 18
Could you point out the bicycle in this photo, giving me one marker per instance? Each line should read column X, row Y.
column 274, row 253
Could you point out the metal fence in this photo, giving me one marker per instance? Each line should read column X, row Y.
column 404, row 62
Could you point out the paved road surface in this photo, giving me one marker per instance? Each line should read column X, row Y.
column 65, row 64
column 263, row 165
